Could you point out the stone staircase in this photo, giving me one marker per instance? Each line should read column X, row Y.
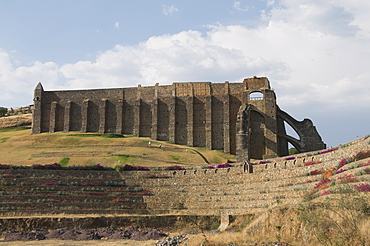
column 233, row 191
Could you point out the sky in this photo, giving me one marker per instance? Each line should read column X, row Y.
column 316, row 53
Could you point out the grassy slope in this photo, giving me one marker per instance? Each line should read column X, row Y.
column 18, row 147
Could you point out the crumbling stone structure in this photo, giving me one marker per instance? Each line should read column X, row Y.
column 226, row 116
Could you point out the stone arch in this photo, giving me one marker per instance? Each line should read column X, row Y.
column 256, row 95
column 309, row 138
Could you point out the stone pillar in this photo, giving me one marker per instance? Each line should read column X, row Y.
column 226, row 118
column 67, row 116
column 102, row 112
column 119, row 110
column 172, row 118
column 137, row 109
column 53, row 107
column 154, row 109
column 190, row 110
column 84, row 115
column 37, row 111
column 208, row 125
column 225, row 221
column 242, row 134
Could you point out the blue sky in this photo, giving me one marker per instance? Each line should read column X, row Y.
column 316, row 53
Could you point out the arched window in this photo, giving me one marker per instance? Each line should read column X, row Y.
column 256, row 95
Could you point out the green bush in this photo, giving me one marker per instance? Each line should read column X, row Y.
column 3, row 111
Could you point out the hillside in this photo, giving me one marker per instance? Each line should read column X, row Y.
column 20, row 148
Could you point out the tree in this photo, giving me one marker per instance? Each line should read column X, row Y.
column 3, row 111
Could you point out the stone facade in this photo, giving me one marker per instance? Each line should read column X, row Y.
column 225, row 116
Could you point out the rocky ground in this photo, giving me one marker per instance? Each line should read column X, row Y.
column 79, row 235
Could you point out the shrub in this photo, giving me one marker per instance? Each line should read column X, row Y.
column 328, row 150
column 340, row 171
column 128, row 167
column 362, row 155
column 47, row 166
column 261, row 162
column 175, row 168
column 64, row 162
column 290, row 158
column 226, row 165
column 363, row 187
column 348, row 178
column 119, row 200
column 315, row 172
column 145, row 193
column 309, row 163
column 327, row 192
column 323, row 184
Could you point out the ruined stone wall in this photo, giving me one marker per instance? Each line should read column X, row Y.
column 195, row 114
column 201, row 114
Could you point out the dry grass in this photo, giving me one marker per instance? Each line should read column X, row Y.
column 21, row 148
column 16, row 120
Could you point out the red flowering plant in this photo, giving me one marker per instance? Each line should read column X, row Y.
column 342, row 163
column 348, row 178
column 340, row 171
column 50, row 183
column 327, row 192
column 119, row 200
column 175, row 168
column 309, row 163
column 146, row 193
column 363, row 187
column 315, row 172
column 323, row 184
column 366, row 164
column 362, row 155
column 328, row 150
column 224, row 165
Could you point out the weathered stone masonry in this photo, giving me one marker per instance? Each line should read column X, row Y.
column 224, row 116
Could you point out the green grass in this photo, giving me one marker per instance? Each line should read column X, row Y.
column 105, row 150
column 105, row 135
column 64, row 162
column 174, row 157
column 13, row 129
column 3, row 140
column 125, row 159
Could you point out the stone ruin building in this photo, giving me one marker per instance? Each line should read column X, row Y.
column 238, row 118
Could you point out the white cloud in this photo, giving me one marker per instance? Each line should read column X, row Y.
column 316, row 15
column 116, row 24
column 238, row 6
column 169, row 10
